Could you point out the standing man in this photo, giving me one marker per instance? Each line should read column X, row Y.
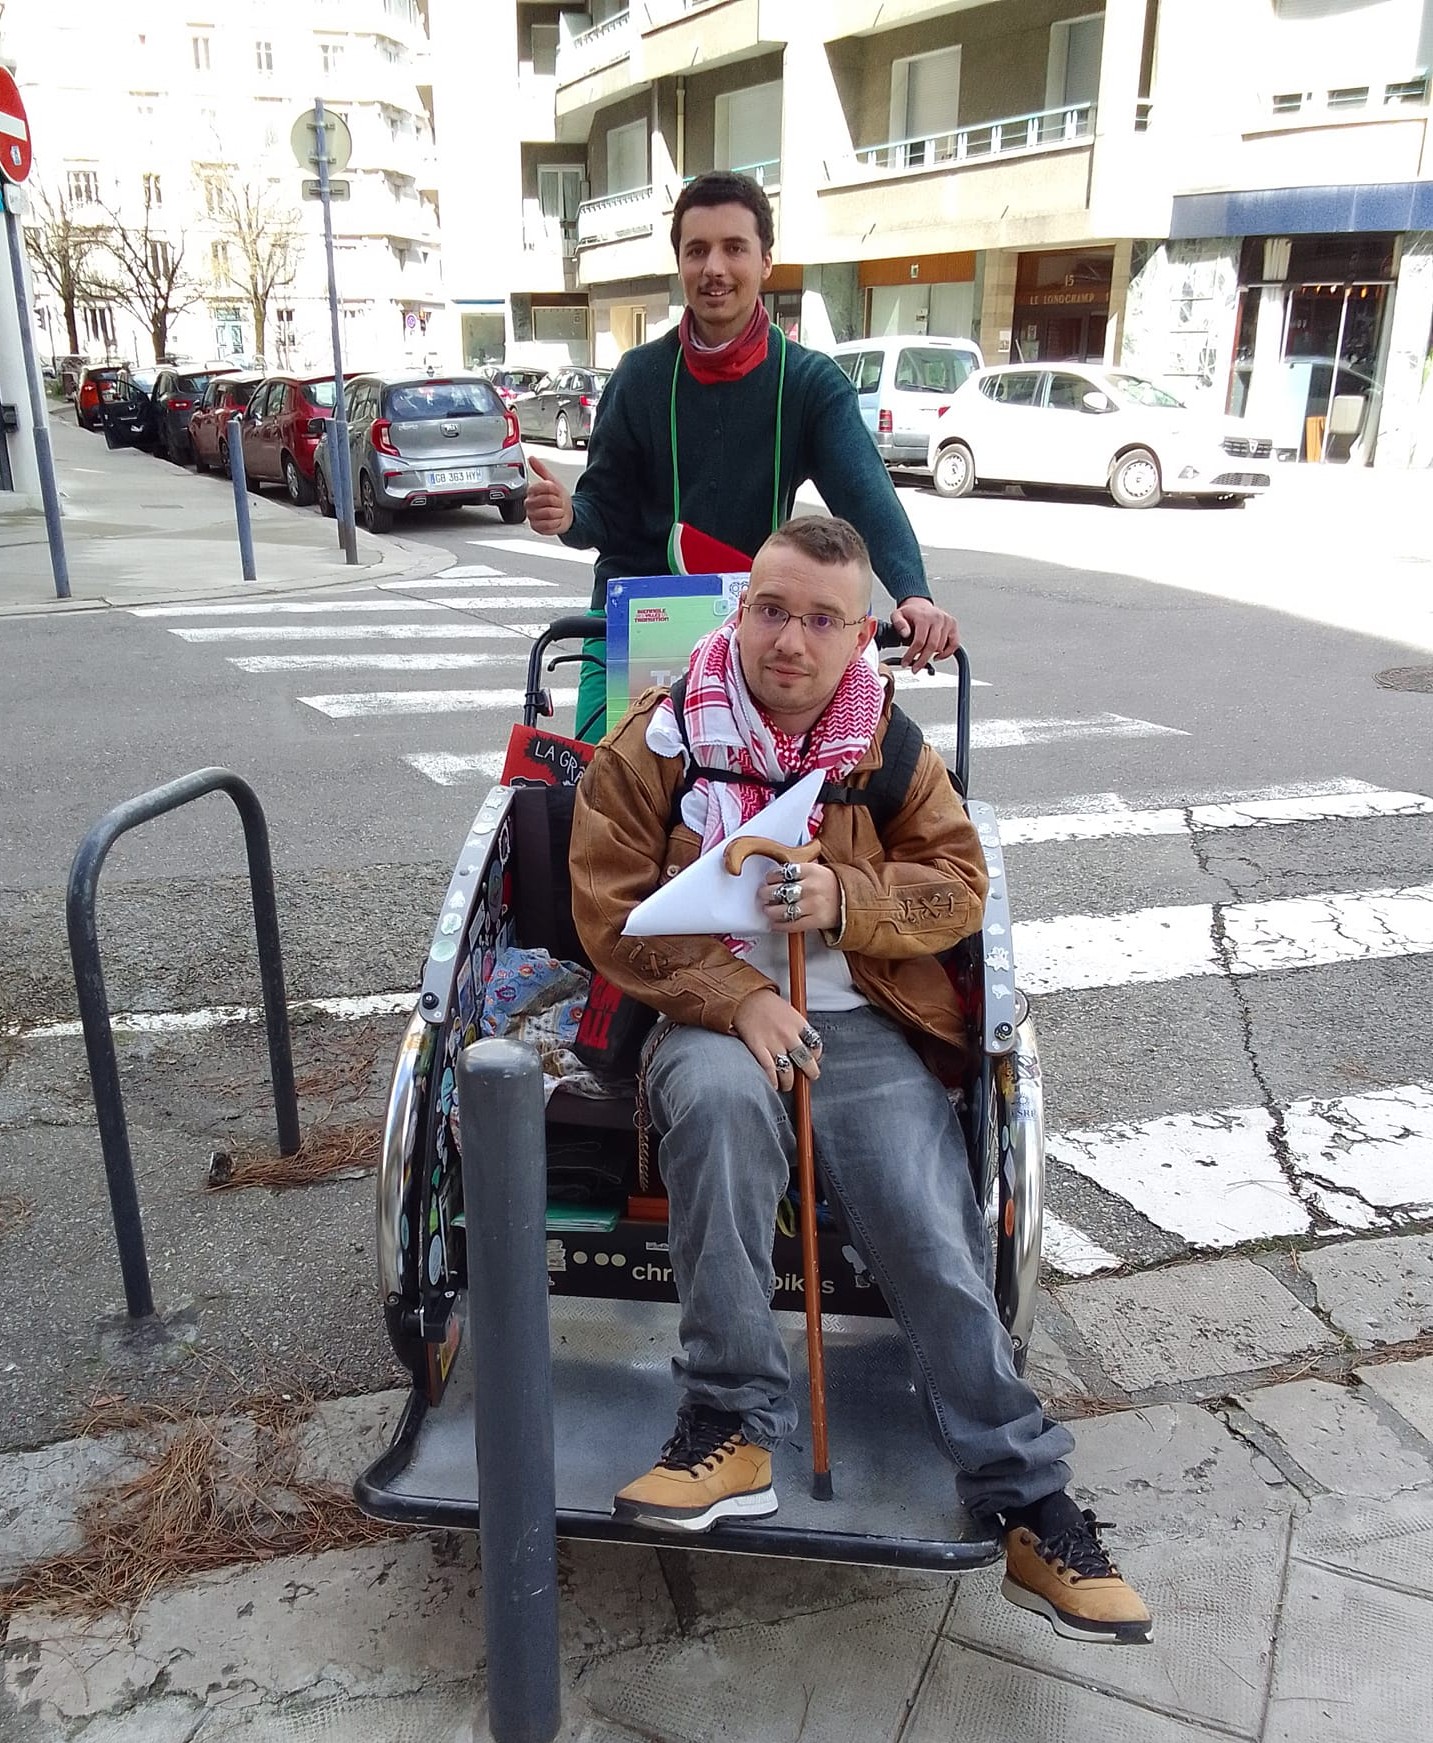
column 703, row 437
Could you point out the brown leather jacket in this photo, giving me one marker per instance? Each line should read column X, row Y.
column 917, row 892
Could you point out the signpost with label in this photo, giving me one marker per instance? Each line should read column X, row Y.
column 322, row 141
column 16, row 156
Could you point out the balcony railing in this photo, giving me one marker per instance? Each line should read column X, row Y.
column 765, row 175
column 986, row 139
column 615, row 218
column 602, row 46
column 549, row 236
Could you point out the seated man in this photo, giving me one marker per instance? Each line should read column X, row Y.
column 780, row 690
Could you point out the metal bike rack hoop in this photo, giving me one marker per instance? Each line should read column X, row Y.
column 80, row 902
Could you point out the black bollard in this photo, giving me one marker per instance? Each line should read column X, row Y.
column 505, row 1204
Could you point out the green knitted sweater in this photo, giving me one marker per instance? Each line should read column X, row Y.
column 725, row 450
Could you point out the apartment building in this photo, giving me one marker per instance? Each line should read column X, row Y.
column 1232, row 194
column 152, row 110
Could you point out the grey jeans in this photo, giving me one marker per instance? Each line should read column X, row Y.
column 893, row 1158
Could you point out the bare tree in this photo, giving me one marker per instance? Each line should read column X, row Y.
column 264, row 241
column 150, row 279
column 66, row 254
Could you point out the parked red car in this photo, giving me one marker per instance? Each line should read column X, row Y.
column 96, row 389
column 224, row 398
column 283, row 426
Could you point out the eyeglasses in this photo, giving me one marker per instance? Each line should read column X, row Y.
column 815, row 623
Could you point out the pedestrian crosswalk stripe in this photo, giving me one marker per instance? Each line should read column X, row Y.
column 1068, row 1249
column 258, row 663
column 303, row 607
column 361, row 704
column 493, row 581
column 469, row 629
column 458, row 572
column 1076, row 951
column 537, row 548
column 1103, row 804
column 450, row 770
column 1326, row 807
column 1215, row 1178
column 1014, row 733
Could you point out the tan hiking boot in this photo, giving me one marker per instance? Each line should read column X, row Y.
column 708, row 1471
column 1059, row 1569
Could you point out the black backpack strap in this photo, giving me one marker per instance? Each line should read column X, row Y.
column 885, row 793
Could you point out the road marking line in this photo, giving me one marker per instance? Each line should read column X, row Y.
column 303, row 606
column 553, row 552
column 471, row 629
column 342, row 1010
column 1013, row 734
column 1068, row 1249
column 374, row 662
column 1325, row 807
column 1105, row 803
column 1079, row 951
column 489, row 578
column 1213, row 1177
column 366, row 704
column 447, row 770
column 457, row 572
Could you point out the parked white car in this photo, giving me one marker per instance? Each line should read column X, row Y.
column 903, row 384
column 1084, row 427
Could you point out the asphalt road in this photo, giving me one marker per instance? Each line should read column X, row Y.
column 1234, row 1017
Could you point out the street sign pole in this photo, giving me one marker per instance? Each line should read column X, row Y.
column 343, row 479
column 44, row 455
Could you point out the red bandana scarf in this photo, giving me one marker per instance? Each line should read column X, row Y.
column 731, row 361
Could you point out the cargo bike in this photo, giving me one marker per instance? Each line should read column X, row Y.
column 612, row 1314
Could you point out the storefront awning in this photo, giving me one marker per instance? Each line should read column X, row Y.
column 1369, row 206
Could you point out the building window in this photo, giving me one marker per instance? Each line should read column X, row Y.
column 331, row 55
column 627, row 158
column 748, row 131
column 925, row 102
column 83, row 186
column 161, row 257
column 544, row 48
column 219, row 262
column 199, row 47
column 1407, row 91
column 264, row 56
column 99, row 325
column 1349, row 97
column 153, row 190
column 1073, row 73
column 215, row 189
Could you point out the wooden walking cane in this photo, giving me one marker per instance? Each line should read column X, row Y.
column 733, row 859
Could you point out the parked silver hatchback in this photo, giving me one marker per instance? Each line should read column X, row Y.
column 427, row 442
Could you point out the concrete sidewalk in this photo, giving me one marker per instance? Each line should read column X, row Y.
column 140, row 531
column 1260, row 1430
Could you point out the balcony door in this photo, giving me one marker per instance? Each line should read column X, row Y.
column 1073, row 74
column 559, row 194
column 748, row 131
column 925, row 103
column 627, row 158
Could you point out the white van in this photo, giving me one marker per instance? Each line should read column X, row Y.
column 903, row 383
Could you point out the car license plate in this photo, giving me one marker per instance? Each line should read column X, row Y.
column 460, row 475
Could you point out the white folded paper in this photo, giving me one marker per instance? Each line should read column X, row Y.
column 706, row 898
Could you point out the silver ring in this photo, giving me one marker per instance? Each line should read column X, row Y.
column 810, row 1037
column 788, row 894
column 793, row 912
column 782, row 1063
column 791, row 874
column 800, row 1055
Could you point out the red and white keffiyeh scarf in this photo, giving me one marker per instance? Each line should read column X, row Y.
column 728, row 730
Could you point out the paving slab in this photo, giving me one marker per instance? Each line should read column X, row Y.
column 1352, row 1660
column 1215, row 1607
column 1408, row 1387
column 389, row 1619
column 1334, row 1435
column 843, row 1676
column 715, row 1592
column 1191, row 1322
column 345, row 1435
column 986, row 1700
column 1173, row 1473
column 41, row 1493
column 1390, row 1541
column 1379, row 1292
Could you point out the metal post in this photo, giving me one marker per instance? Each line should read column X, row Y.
column 80, row 901
column 343, row 480
column 505, row 1204
column 240, row 479
column 44, row 456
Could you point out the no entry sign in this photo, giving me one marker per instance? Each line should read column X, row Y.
column 15, row 153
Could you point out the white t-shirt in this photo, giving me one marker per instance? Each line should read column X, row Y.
column 829, row 986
